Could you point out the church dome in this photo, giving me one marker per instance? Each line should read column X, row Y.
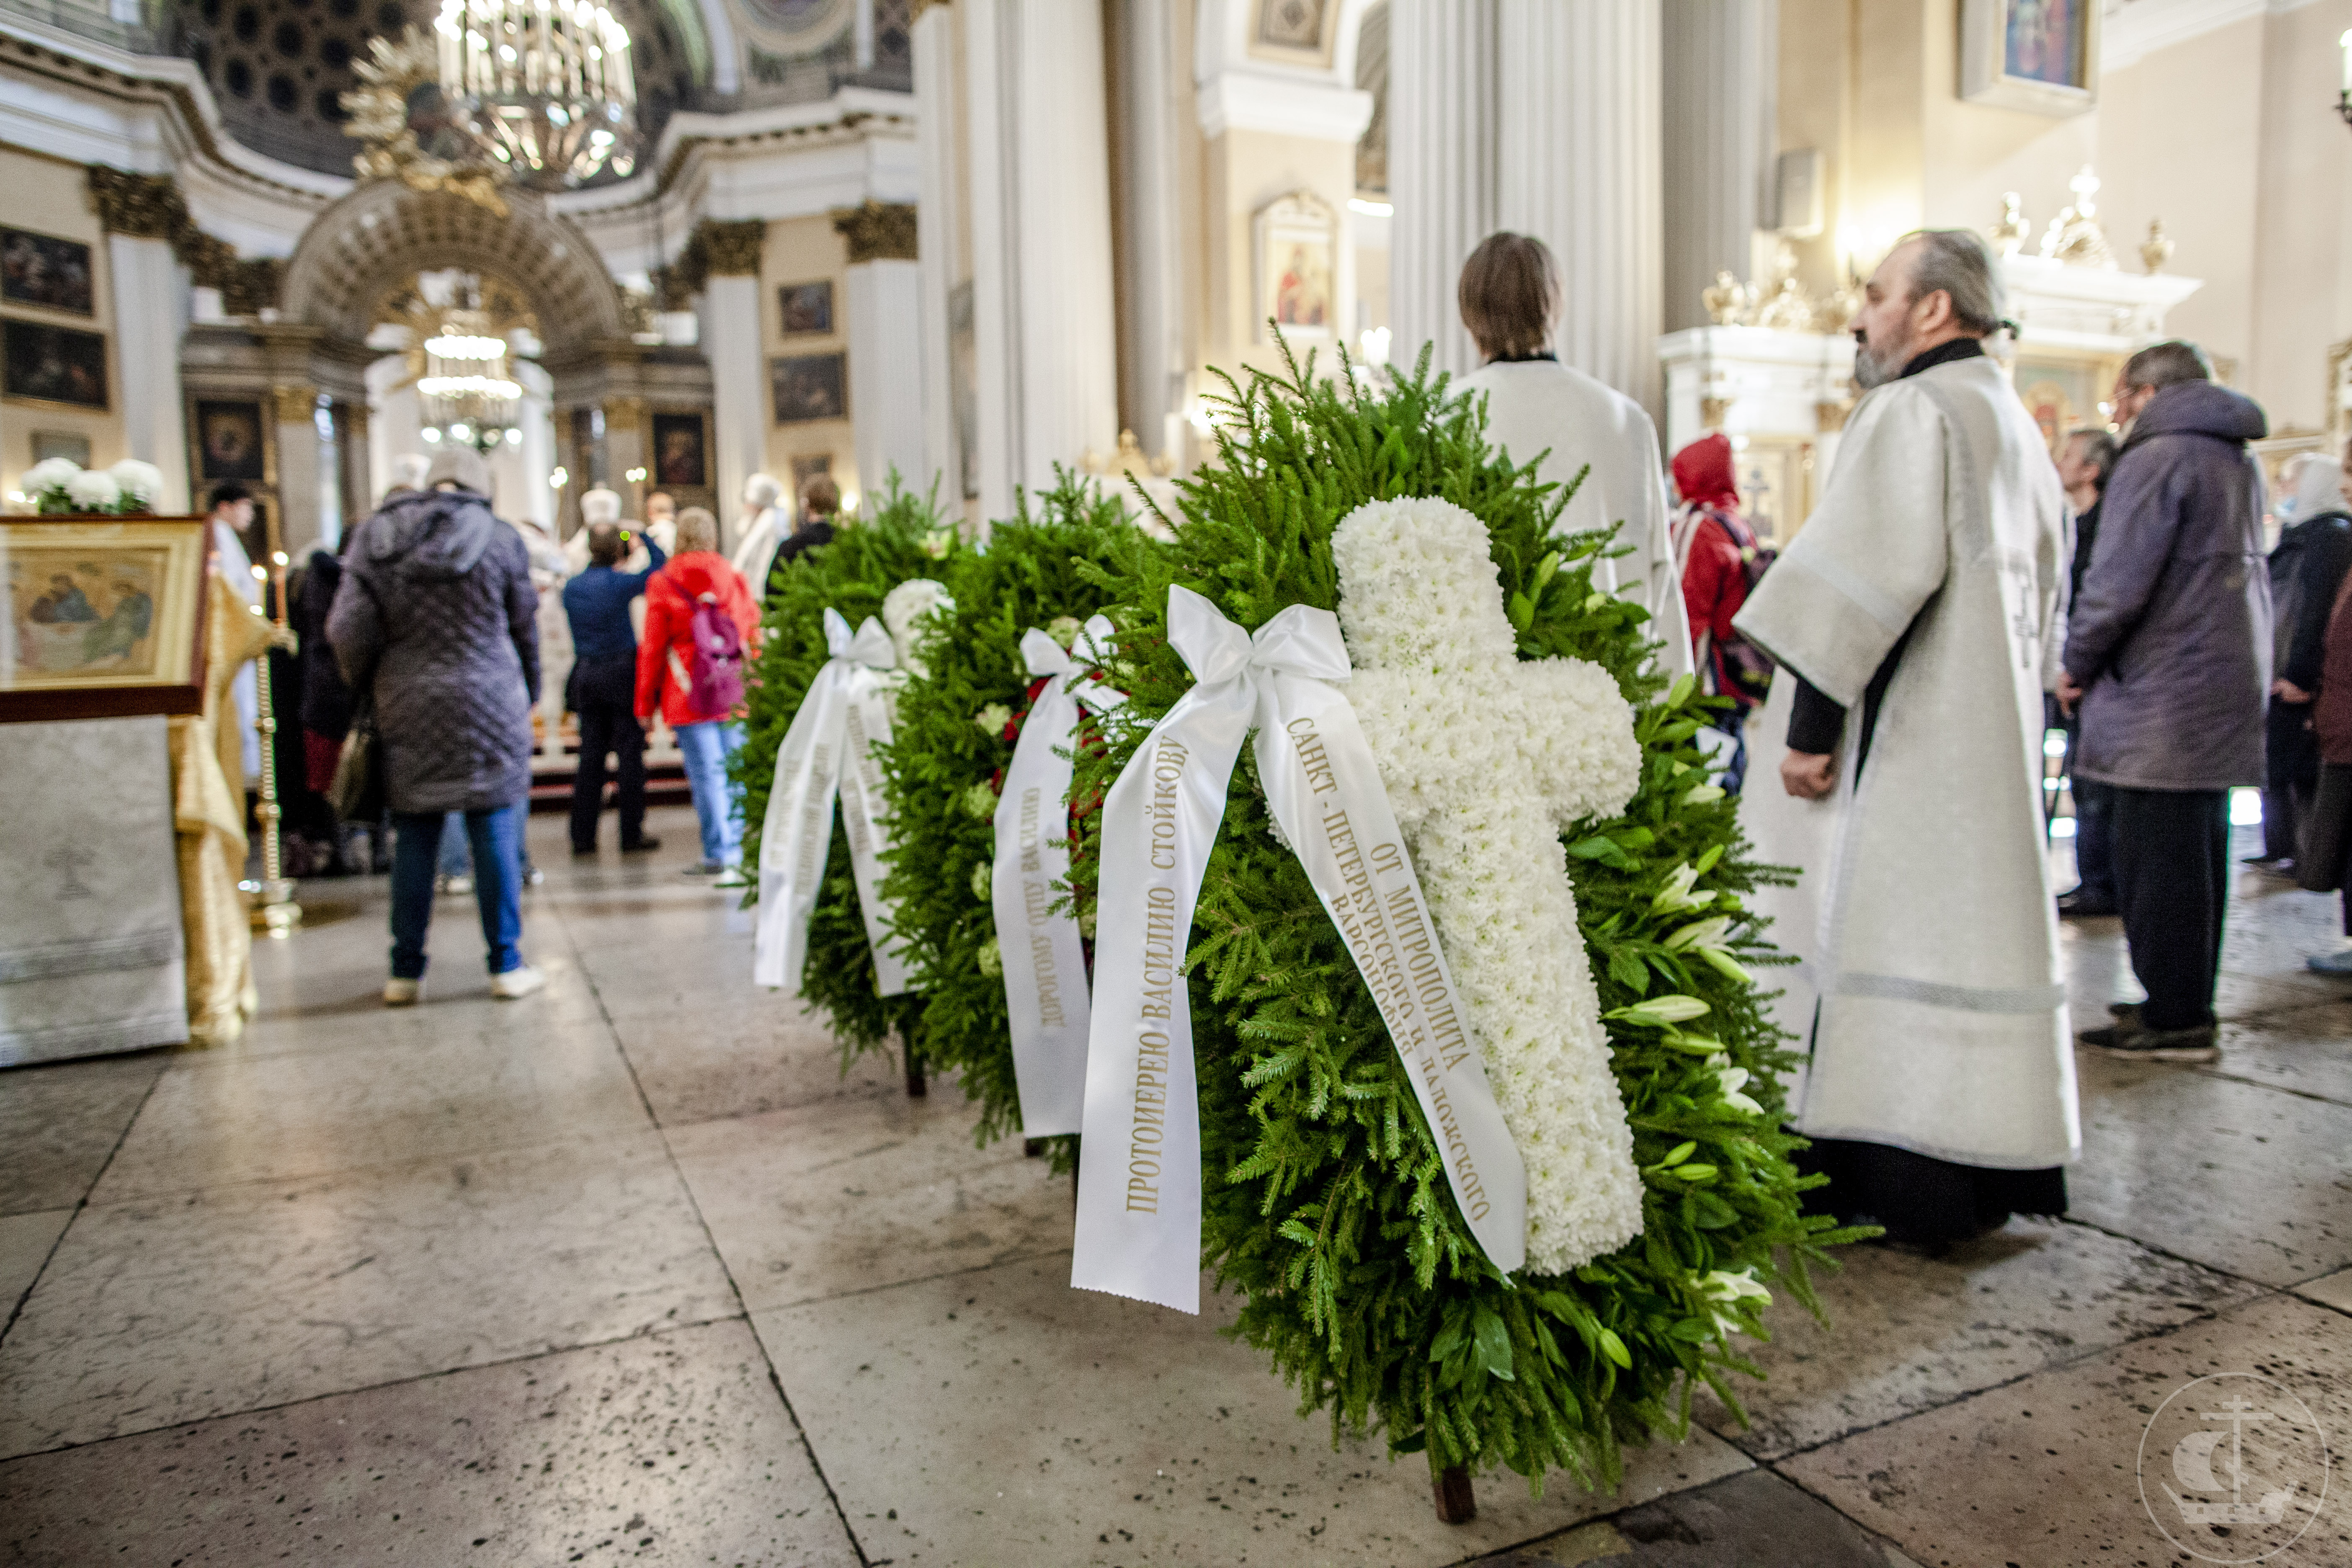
column 277, row 68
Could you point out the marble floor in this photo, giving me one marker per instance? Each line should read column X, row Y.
column 630, row 1270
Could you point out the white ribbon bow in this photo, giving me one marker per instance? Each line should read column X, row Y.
column 829, row 751
column 1046, row 995
column 1139, row 1224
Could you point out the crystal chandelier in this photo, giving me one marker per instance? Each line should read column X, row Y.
column 545, row 86
column 469, row 391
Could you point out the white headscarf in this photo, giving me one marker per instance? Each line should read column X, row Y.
column 2318, row 487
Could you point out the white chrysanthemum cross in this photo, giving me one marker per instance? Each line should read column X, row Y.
column 1486, row 759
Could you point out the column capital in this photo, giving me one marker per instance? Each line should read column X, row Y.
column 876, row 231
column 295, row 405
column 138, row 206
column 730, row 249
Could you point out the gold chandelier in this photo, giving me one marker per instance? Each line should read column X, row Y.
column 544, row 86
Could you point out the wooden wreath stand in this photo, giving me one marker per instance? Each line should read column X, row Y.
column 1458, row 1502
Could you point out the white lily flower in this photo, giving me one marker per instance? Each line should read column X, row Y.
column 1733, row 1080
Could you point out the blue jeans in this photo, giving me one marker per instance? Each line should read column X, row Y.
column 496, row 839
column 707, row 746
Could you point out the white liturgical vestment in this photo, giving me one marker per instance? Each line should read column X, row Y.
column 1535, row 405
column 1922, row 920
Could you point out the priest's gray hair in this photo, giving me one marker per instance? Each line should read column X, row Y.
column 599, row 505
column 761, row 490
column 2161, row 364
column 1958, row 262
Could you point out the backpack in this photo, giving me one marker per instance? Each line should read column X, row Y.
column 714, row 675
column 1743, row 671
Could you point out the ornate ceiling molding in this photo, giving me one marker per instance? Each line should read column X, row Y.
column 150, row 207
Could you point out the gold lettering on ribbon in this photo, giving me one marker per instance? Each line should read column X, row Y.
column 1163, row 964
column 814, row 807
column 1036, row 901
column 1388, row 933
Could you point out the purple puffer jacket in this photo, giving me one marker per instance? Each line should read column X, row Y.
column 2171, row 637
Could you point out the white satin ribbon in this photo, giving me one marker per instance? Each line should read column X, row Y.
column 1045, row 995
column 829, row 751
column 1138, row 1225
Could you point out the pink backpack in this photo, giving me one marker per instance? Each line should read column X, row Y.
column 714, row 676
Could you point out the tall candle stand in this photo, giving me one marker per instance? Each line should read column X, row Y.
column 274, row 910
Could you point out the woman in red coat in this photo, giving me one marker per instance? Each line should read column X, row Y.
column 696, row 574
column 1719, row 552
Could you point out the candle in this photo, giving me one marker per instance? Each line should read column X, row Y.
column 2344, row 44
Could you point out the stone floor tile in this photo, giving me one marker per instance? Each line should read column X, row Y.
column 688, row 974
column 746, row 1057
column 157, row 1311
column 60, row 1124
column 825, row 1200
column 1751, row 1521
column 668, row 1449
column 2307, row 1050
column 2238, row 1176
column 209, row 1123
column 1064, row 1427
column 2047, row 1471
column 2272, row 926
column 2331, row 1289
column 1908, row 1333
column 25, row 1243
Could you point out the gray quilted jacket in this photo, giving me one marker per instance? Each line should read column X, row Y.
column 437, row 610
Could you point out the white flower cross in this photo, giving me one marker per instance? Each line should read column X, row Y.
column 1486, row 759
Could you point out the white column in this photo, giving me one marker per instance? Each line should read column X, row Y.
column 151, row 316
column 1719, row 72
column 937, row 215
column 731, row 336
column 1155, row 327
column 1442, row 139
column 1041, row 242
column 298, row 469
column 885, row 372
column 1578, row 85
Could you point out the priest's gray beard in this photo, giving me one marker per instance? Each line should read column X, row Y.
column 1877, row 366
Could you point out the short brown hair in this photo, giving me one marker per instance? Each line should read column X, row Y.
column 605, row 544
column 2162, row 364
column 696, row 530
column 821, row 496
column 1509, row 295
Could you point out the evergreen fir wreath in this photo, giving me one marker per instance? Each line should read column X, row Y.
column 945, row 767
column 852, row 573
column 1325, row 1203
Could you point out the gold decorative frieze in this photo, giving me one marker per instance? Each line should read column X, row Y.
column 150, row 207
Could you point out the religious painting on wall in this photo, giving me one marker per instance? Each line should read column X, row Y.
column 1775, row 478
column 44, row 270
column 73, row 447
column 103, row 617
column 2041, row 56
column 1296, row 247
column 809, row 386
column 806, row 309
column 40, row 363
column 679, row 450
column 1297, row 32
column 229, row 441
column 2063, row 396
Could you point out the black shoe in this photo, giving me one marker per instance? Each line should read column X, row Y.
column 2129, row 1038
column 2075, row 905
column 584, row 849
column 641, row 846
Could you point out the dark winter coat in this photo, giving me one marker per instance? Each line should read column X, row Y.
column 2307, row 566
column 437, row 610
column 2172, row 638
column 326, row 702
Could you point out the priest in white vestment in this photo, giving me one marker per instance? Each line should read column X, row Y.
column 765, row 527
column 232, row 512
column 1917, row 620
column 1511, row 300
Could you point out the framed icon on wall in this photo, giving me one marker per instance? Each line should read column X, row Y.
column 806, row 309
column 809, row 386
column 682, row 450
column 231, row 440
column 46, row 272
column 57, row 365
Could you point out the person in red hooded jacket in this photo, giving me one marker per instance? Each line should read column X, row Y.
column 696, row 574
column 1719, row 552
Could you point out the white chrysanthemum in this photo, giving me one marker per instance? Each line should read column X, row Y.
column 141, row 481
column 1486, row 759
column 93, row 491
column 50, row 474
column 903, row 610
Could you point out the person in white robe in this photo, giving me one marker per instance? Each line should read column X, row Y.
column 765, row 526
column 232, row 512
column 1917, row 620
column 1510, row 294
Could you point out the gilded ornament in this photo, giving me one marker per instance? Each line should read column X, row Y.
column 1711, row 411
column 150, row 207
column 141, row 206
column 730, row 249
column 296, row 405
column 876, row 231
column 2074, row 235
column 2010, row 235
column 2157, row 248
column 395, row 72
column 1727, row 301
